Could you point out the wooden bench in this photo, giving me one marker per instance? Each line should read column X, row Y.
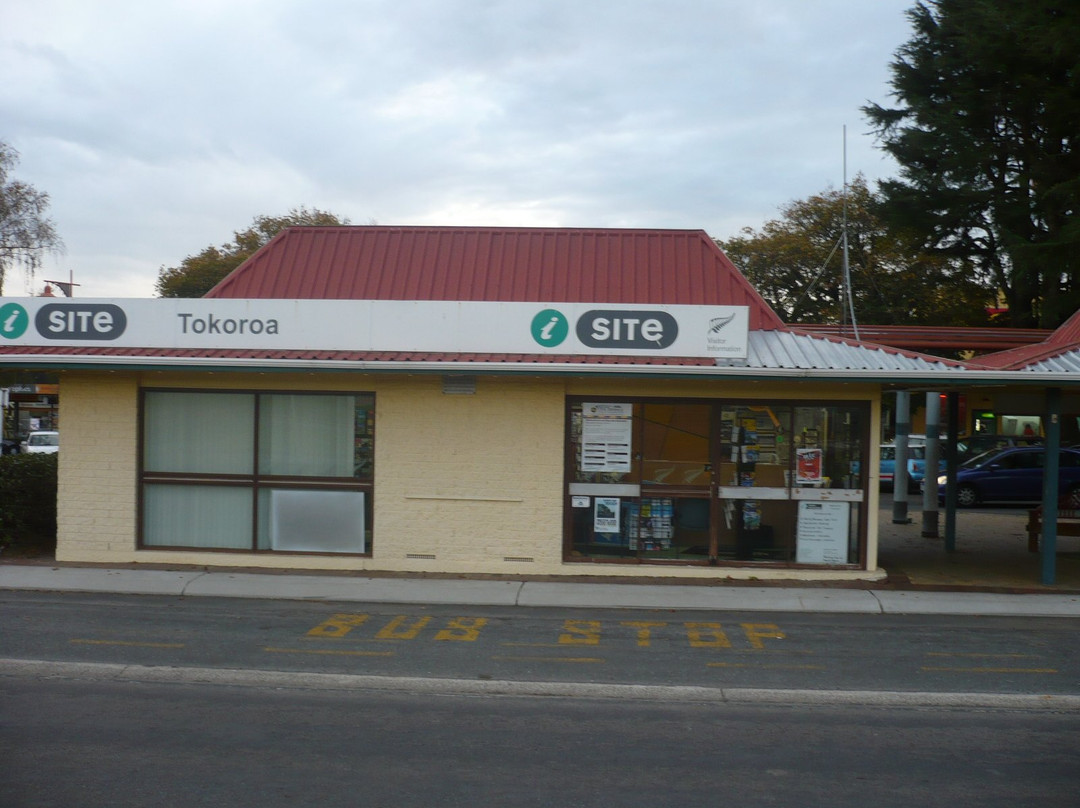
column 1068, row 522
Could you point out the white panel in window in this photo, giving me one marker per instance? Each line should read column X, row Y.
column 317, row 521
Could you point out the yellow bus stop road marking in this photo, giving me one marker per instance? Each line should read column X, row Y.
column 548, row 659
column 989, row 670
column 981, row 656
column 327, row 652
column 132, row 643
column 956, row 669
column 765, row 665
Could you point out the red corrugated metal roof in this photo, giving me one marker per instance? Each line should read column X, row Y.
column 556, row 265
column 1064, row 339
column 1068, row 333
column 922, row 337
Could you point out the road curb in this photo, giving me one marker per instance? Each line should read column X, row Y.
column 112, row 672
column 553, row 594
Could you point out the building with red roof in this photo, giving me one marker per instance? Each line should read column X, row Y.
column 546, row 401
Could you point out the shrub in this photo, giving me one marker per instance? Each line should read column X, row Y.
column 27, row 499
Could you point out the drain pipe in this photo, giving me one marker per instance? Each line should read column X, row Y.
column 1051, row 493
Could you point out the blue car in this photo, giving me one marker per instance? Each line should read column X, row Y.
column 1012, row 475
column 916, row 465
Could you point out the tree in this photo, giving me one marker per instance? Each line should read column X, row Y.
column 198, row 274
column 796, row 263
column 26, row 233
column 986, row 135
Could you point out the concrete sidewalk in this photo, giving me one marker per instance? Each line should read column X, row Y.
column 467, row 592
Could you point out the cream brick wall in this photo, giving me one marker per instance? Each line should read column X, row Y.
column 464, row 483
column 472, row 480
column 97, row 467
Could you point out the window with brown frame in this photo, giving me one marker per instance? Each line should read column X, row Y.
column 257, row 471
column 706, row 481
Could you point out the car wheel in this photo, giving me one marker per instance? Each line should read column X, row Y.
column 967, row 496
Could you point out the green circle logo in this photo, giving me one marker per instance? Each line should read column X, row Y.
column 550, row 327
column 13, row 321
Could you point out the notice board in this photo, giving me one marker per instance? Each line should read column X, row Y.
column 822, row 533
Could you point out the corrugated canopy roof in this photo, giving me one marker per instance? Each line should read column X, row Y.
column 552, row 265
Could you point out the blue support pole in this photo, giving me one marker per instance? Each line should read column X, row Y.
column 900, row 473
column 950, row 470
column 1051, row 494
column 933, row 452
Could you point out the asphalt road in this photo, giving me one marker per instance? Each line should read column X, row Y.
column 171, row 701
column 76, row 743
column 821, row 652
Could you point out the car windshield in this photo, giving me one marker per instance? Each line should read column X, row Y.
column 979, row 460
column 44, row 440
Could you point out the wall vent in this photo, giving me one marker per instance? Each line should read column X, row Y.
column 459, row 385
column 522, row 559
column 429, row 556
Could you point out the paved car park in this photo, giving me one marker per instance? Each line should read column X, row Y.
column 991, row 551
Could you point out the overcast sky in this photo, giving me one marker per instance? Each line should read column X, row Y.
column 161, row 128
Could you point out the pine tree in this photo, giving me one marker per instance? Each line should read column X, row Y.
column 986, row 135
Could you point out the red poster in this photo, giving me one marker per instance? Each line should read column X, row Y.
column 808, row 469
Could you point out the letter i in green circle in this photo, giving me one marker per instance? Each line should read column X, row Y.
column 13, row 321
column 550, row 327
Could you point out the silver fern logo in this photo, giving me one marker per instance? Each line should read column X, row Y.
column 716, row 324
column 725, row 334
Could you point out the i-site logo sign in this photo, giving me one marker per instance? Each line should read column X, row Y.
column 13, row 321
column 615, row 328
column 81, row 321
column 621, row 329
column 65, row 321
column 550, row 327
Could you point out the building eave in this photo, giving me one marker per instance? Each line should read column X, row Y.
column 901, row 378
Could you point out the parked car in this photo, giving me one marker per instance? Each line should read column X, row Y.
column 969, row 446
column 9, row 446
column 916, row 465
column 1012, row 475
column 42, row 442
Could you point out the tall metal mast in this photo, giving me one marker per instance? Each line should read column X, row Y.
column 850, row 301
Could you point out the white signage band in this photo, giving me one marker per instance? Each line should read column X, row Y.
column 378, row 325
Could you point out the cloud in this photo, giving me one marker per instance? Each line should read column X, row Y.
column 161, row 128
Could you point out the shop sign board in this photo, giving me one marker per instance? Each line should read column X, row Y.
column 379, row 325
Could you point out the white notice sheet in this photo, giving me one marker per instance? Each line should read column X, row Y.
column 606, row 444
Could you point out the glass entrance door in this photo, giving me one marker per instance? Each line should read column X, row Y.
column 674, row 518
column 753, row 483
column 790, row 482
